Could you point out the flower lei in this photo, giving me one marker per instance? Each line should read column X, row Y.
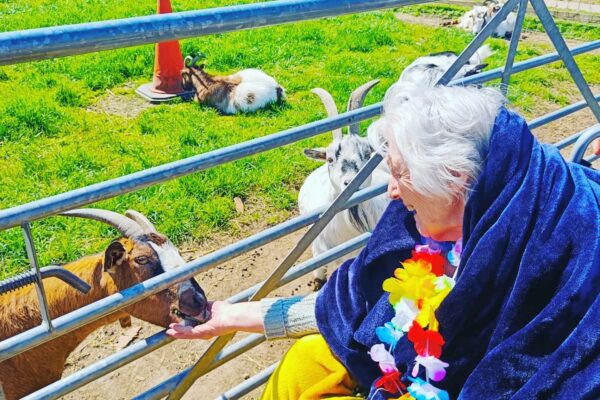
column 416, row 291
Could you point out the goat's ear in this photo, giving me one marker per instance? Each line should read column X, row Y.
column 114, row 256
column 315, row 154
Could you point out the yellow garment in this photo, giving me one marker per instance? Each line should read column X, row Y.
column 309, row 371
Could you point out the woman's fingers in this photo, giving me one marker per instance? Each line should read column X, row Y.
column 179, row 331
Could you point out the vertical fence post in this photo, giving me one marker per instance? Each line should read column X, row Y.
column 39, row 285
column 512, row 49
column 563, row 51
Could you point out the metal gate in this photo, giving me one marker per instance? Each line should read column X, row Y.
column 22, row 46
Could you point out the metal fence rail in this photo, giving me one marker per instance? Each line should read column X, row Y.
column 37, row 44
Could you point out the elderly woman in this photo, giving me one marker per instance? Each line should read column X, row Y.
column 515, row 314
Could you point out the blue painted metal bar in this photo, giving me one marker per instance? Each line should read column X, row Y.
column 554, row 115
column 561, row 47
column 158, row 340
column 514, row 43
column 476, row 43
column 582, row 143
column 248, row 385
column 82, row 316
column 267, row 286
column 37, row 44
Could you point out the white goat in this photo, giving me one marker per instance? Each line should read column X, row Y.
column 246, row 91
column 427, row 70
column 344, row 157
column 475, row 19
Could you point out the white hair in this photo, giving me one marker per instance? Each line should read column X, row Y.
column 442, row 134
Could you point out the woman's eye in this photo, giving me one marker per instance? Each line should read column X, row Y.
column 142, row 260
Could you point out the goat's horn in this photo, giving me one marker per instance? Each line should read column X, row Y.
column 141, row 220
column 126, row 226
column 330, row 106
column 356, row 101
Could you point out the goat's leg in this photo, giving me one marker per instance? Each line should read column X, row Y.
column 320, row 277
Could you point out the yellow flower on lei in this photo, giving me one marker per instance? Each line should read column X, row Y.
column 429, row 305
column 414, row 281
column 405, row 396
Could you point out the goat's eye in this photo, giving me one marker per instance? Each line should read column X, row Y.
column 142, row 260
column 329, row 160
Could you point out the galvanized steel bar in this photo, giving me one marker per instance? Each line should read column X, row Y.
column 37, row 44
column 39, row 284
column 476, row 43
column 158, row 340
column 554, row 115
column 248, row 385
column 82, row 316
column 561, row 47
column 514, row 43
column 200, row 367
column 585, row 139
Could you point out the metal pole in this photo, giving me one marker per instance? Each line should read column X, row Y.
column 476, row 43
column 561, row 47
column 248, row 385
column 514, row 43
column 39, row 284
column 269, row 284
column 554, row 115
column 67, row 40
column 583, row 142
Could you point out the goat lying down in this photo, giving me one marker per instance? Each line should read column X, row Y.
column 246, row 91
column 347, row 154
column 475, row 19
column 343, row 158
column 140, row 254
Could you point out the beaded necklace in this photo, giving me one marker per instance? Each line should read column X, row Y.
column 416, row 291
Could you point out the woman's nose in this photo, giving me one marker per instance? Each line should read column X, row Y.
column 393, row 189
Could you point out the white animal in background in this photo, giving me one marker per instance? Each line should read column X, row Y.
column 427, row 70
column 246, row 91
column 343, row 158
column 475, row 19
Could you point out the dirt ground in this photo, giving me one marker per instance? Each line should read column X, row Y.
column 227, row 279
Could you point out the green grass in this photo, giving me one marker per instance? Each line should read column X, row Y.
column 52, row 140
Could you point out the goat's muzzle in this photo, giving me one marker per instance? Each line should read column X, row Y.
column 193, row 306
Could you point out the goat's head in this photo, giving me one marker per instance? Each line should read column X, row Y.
column 193, row 75
column 347, row 154
column 141, row 254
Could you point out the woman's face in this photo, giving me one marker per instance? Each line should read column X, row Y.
column 436, row 218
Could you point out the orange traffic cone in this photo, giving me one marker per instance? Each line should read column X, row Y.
column 168, row 63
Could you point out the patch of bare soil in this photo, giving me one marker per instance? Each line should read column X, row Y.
column 219, row 283
column 127, row 106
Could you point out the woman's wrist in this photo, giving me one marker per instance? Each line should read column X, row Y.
column 246, row 317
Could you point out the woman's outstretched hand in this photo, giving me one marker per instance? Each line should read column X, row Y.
column 226, row 318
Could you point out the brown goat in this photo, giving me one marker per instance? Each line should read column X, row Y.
column 140, row 255
column 244, row 91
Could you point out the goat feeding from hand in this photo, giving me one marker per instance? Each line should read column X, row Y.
column 140, row 254
column 246, row 91
column 344, row 157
